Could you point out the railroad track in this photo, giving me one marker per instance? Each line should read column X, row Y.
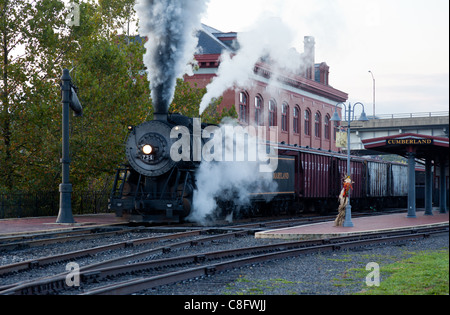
column 128, row 275
column 16, row 242
column 29, row 240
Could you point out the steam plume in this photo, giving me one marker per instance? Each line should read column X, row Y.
column 269, row 38
column 170, row 26
column 238, row 179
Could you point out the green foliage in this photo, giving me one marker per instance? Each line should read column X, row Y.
column 187, row 102
column 35, row 45
column 32, row 45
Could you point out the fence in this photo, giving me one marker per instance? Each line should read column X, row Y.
column 39, row 204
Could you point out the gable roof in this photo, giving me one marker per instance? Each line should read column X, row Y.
column 208, row 42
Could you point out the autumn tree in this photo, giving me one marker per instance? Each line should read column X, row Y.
column 187, row 102
column 33, row 43
column 36, row 43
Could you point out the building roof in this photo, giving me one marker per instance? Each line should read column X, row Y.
column 209, row 43
column 212, row 43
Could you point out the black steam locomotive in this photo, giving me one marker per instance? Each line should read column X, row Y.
column 153, row 187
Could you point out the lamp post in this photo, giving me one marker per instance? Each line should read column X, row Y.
column 373, row 78
column 351, row 117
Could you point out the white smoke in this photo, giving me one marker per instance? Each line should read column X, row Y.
column 238, row 176
column 270, row 38
column 171, row 27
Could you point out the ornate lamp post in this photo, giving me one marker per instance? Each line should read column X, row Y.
column 351, row 117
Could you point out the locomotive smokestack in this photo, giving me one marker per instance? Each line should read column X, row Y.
column 170, row 26
column 159, row 116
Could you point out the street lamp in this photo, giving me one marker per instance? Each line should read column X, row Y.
column 351, row 117
column 373, row 78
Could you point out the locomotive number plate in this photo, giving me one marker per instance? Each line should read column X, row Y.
column 148, row 158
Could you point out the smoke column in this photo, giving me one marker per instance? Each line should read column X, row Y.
column 170, row 26
column 270, row 37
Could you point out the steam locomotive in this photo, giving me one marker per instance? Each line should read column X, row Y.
column 154, row 187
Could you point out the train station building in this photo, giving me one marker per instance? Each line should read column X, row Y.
column 433, row 151
column 299, row 105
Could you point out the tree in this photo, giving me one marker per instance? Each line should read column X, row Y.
column 111, row 86
column 36, row 43
column 187, row 102
column 33, row 41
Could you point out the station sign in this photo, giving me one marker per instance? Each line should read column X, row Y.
column 409, row 142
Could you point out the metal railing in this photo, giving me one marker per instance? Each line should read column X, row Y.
column 412, row 115
column 406, row 115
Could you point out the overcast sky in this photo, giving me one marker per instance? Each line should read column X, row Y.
column 403, row 42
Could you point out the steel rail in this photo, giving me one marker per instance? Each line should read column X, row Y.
column 110, row 262
column 130, row 287
column 29, row 264
column 278, row 250
column 62, row 239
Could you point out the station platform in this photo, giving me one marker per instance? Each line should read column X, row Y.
column 48, row 224
column 362, row 225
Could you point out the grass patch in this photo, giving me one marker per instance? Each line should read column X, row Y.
column 424, row 273
column 244, row 286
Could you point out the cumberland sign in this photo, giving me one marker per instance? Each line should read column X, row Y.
column 409, row 142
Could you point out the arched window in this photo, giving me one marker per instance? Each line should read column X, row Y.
column 318, row 125
column 259, row 110
column 307, row 122
column 327, row 127
column 296, row 121
column 285, row 117
column 272, row 113
column 243, row 107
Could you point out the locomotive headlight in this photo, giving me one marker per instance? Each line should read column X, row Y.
column 147, row 149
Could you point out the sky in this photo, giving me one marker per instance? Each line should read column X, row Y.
column 403, row 42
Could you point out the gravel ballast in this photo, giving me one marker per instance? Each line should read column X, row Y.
column 327, row 273
column 318, row 274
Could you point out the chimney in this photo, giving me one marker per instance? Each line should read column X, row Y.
column 310, row 56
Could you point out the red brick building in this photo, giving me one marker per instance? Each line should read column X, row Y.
column 300, row 105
